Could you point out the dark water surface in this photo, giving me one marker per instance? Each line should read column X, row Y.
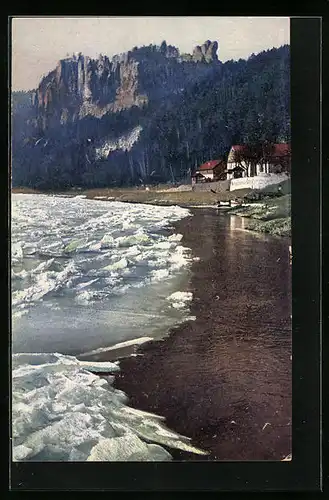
column 225, row 379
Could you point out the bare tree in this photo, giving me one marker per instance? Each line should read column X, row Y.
column 243, row 158
column 251, row 155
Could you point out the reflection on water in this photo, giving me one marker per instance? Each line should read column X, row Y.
column 225, row 379
column 238, row 223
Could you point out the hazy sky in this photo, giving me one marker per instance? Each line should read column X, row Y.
column 39, row 42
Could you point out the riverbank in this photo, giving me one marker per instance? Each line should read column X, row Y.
column 224, row 380
column 159, row 195
column 269, row 216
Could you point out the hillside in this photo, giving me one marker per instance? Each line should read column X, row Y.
column 149, row 115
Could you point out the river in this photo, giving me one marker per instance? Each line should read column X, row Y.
column 94, row 282
column 89, row 277
column 225, row 379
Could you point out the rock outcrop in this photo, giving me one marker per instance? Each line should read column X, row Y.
column 80, row 86
column 148, row 115
column 206, row 52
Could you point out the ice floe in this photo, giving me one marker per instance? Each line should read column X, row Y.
column 179, row 300
column 86, row 251
column 87, row 238
column 63, row 411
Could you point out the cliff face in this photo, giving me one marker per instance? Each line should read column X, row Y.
column 206, row 52
column 80, row 86
column 149, row 114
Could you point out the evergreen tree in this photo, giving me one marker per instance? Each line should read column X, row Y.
column 194, row 112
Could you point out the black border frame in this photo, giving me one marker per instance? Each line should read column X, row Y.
column 303, row 473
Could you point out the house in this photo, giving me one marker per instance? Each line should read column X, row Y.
column 248, row 161
column 214, row 170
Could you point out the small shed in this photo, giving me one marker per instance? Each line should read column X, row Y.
column 212, row 170
column 198, row 177
column 235, row 172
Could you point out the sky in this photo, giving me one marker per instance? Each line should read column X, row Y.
column 38, row 43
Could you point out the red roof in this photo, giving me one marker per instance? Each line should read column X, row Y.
column 281, row 149
column 209, row 165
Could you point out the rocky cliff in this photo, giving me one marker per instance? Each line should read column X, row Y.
column 206, row 52
column 80, row 86
column 146, row 115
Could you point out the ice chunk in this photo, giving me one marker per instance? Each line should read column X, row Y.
column 45, row 282
column 105, row 366
column 120, row 264
column 21, row 452
column 107, row 241
column 43, row 266
column 85, row 284
column 175, row 237
column 127, row 448
column 120, row 345
column 17, row 251
column 163, row 245
column 19, row 314
column 159, row 275
column 74, row 245
column 138, row 237
column 63, row 411
column 179, row 300
column 43, row 285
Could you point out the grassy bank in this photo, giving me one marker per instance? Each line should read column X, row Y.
column 160, row 195
column 25, row 190
column 269, row 216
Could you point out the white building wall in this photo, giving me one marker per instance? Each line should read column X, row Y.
column 257, row 182
column 229, row 176
column 207, row 174
column 260, row 169
column 232, row 165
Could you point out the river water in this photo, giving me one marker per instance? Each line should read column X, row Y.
column 93, row 280
column 225, row 379
column 89, row 277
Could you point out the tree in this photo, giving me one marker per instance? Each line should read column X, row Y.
column 251, row 155
column 282, row 163
column 163, row 47
column 193, row 112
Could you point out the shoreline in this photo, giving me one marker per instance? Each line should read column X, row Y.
column 272, row 216
column 207, row 310
column 180, row 377
column 155, row 195
column 256, row 213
